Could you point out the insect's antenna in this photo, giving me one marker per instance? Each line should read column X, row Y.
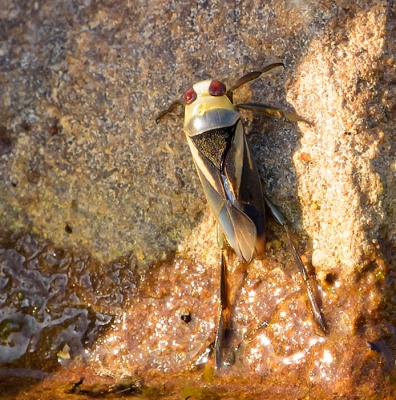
column 250, row 77
column 174, row 105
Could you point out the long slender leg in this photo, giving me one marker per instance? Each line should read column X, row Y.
column 224, row 309
column 250, row 77
column 262, row 108
column 174, row 105
column 271, row 111
column 315, row 308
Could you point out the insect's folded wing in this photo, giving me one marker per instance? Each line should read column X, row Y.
column 209, row 176
column 234, row 160
column 238, row 228
column 241, row 172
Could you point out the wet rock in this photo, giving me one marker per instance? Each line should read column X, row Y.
column 44, row 307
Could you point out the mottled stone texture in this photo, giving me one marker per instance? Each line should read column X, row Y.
column 106, row 239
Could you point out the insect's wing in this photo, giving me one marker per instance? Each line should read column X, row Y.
column 241, row 172
column 233, row 201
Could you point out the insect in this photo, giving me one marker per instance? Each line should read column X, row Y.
column 229, row 178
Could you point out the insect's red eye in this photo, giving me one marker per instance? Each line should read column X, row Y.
column 190, row 96
column 217, row 88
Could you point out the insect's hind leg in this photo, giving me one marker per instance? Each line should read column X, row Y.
column 225, row 307
column 315, row 308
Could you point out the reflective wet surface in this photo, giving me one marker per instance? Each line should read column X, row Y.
column 67, row 318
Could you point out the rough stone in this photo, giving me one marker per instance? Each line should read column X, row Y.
column 101, row 207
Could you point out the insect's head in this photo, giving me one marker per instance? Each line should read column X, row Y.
column 207, row 106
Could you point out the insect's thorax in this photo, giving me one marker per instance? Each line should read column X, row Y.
column 208, row 112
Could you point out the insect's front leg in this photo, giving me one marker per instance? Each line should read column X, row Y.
column 171, row 108
column 315, row 308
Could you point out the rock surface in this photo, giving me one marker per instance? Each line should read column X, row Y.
column 108, row 258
